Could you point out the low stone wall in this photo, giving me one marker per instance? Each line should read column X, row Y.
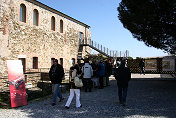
column 4, row 85
column 33, row 78
column 32, row 81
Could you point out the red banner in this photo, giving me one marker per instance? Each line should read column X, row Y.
column 16, row 83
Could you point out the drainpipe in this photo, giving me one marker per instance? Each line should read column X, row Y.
column 85, row 38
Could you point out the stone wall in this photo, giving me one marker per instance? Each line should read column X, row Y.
column 4, row 86
column 33, row 79
column 19, row 39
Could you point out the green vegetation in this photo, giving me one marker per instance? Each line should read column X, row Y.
column 151, row 21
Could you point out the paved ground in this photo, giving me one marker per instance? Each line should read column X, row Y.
column 147, row 98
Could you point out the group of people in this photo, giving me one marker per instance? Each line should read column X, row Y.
column 92, row 74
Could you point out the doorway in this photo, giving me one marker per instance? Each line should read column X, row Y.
column 23, row 60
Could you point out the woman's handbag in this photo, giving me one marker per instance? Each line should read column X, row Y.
column 78, row 82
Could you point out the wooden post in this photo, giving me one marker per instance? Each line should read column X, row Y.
column 175, row 65
column 159, row 64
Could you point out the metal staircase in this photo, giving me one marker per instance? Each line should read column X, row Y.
column 80, row 52
column 101, row 49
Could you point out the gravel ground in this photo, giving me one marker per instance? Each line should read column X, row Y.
column 147, row 98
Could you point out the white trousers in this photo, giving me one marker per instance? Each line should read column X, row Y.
column 77, row 92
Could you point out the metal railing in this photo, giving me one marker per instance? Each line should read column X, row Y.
column 102, row 49
column 38, row 70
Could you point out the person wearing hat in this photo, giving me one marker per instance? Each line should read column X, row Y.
column 56, row 74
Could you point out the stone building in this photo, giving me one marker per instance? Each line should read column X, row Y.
column 36, row 34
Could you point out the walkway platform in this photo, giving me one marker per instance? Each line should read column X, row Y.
column 146, row 99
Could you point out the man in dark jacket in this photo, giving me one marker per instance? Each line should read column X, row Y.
column 122, row 75
column 56, row 74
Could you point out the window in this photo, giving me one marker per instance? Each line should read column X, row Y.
column 73, row 61
column 35, row 62
column 53, row 23
column 61, row 61
column 61, row 26
column 22, row 13
column 52, row 59
column 81, row 35
column 35, row 17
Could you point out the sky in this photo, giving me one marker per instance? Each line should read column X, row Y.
column 106, row 29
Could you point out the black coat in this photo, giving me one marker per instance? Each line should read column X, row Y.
column 122, row 75
column 57, row 75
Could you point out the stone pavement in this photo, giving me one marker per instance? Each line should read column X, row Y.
column 150, row 98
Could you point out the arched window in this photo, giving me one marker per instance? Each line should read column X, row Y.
column 53, row 23
column 61, row 61
column 73, row 61
column 61, row 26
column 35, row 17
column 52, row 60
column 22, row 13
column 35, row 62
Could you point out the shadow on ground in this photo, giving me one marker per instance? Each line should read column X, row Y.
column 146, row 98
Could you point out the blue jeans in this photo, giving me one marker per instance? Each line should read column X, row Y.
column 56, row 92
column 122, row 92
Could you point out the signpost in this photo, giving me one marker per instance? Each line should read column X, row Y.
column 16, row 83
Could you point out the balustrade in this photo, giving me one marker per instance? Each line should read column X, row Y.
column 104, row 50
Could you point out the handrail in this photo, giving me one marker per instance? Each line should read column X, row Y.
column 102, row 49
column 39, row 70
